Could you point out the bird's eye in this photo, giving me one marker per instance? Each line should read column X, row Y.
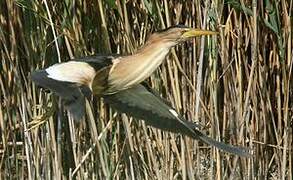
column 184, row 31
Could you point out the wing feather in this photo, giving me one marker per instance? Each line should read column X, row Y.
column 70, row 93
column 72, row 80
column 141, row 103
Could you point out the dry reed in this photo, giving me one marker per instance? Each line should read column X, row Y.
column 238, row 85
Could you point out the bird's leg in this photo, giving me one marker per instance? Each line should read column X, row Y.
column 41, row 119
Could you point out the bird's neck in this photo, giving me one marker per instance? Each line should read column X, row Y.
column 136, row 68
column 154, row 52
column 149, row 57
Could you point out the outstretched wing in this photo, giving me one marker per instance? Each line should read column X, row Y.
column 140, row 102
column 72, row 80
column 70, row 93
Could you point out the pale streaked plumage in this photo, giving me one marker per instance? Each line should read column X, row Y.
column 136, row 68
column 117, row 80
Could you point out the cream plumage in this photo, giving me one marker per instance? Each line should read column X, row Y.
column 117, row 79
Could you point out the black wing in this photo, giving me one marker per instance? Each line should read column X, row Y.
column 66, row 80
column 141, row 103
column 98, row 61
column 71, row 94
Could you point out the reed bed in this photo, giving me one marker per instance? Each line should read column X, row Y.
column 238, row 85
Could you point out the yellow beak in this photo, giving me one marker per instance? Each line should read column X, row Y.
column 198, row 32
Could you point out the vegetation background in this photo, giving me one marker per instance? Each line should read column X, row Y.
column 243, row 78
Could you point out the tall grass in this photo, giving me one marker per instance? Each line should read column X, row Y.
column 238, row 85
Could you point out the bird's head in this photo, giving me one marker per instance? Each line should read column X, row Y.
column 178, row 34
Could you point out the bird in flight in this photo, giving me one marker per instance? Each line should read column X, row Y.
column 119, row 80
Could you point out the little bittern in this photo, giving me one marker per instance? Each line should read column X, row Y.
column 118, row 80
